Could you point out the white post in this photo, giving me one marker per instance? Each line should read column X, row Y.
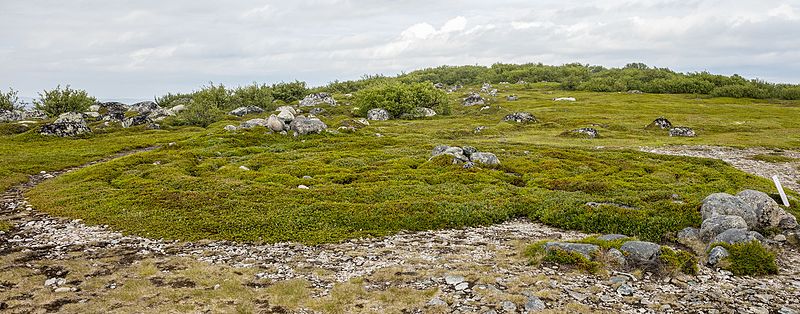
column 780, row 190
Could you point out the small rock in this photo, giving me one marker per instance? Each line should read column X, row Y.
column 716, row 255
column 244, row 168
column 230, row 128
column 625, row 290
column 508, row 306
column 302, row 187
column 534, row 304
column 453, row 279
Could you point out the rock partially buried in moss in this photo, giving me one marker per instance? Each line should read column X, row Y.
column 67, row 125
column 467, row 154
column 682, row 131
column 242, row 111
column 484, row 158
column 659, row 123
column 716, row 255
column 641, row 251
column 253, row 123
column 317, row 99
column 473, row 99
column 588, row 133
column 512, row 98
column 378, row 114
column 587, row 250
column 737, row 235
column 304, row 126
column 520, row 117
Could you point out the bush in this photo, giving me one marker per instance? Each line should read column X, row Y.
column 749, row 259
column 170, row 100
column 254, row 95
column 400, row 98
column 58, row 101
column 680, row 260
column 9, row 101
column 208, row 106
column 289, row 92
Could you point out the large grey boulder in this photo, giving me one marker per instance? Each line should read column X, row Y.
column 302, row 125
column 587, row 250
column 285, row 116
column 317, row 99
column 716, row 255
column 113, row 111
column 737, row 235
column 717, row 224
column 243, row 111
column 641, row 251
column 519, row 117
column 70, row 117
column 456, row 152
column 484, row 158
column 689, row 237
column 726, row 204
column 771, row 215
column 287, row 108
column 136, row 120
column 67, row 125
column 275, row 124
column 144, row 107
column 378, row 114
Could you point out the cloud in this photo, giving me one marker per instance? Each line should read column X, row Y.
column 140, row 48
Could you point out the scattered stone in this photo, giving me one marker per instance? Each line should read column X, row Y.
column 453, row 279
column 616, row 256
column 682, row 131
column 612, row 237
column 243, row 111
column 303, row 126
column 378, row 114
column 290, row 109
column 302, row 187
column 244, row 168
column 718, row 224
column 625, row 290
column 660, row 123
column 520, row 117
column 737, row 235
column 582, row 132
column 436, row 301
column 485, row 87
column 534, row 304
column 462, row 286
column 317, row 99
column 473, row 99
column 276, row 124
column 635, row 91
column 493, row 92
column 230, row 128
column 508, row 306
column 512, row 98
column 716, row 255
column 253, row 123
column 438, row 86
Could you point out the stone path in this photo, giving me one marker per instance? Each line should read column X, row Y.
column 52, row 264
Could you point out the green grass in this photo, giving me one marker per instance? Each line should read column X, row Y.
column 365, row 185
column 749, row 259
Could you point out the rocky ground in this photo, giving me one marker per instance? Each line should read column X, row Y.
column 50, row 264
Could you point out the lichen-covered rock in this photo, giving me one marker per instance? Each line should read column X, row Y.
column 70, row 117
column 520, row 117
column 493, row 92
column 423, row 112
column 67, row 125
column 771, row 215
column 587, row 250
column 253, row 123
column 378, row 114
column 144, row 107
column 456, row 152
column 473, row 99
column 564, row 99
column 243, row 111
column 617, row 257
column 484, row 158
column 689, row 236
column 582, row 132
column 737, row 235
column 285, row 116
column 317, row 99
column 612, row 237
column 230, row 128
column 726, row 204
column 287, row 108
column 660, row 123
column 641, row 251
column 113, row 111
column 716, row 255
column 682, row 131
column 136, row 120
column 469, row 150
column 717, row 224
column 275, row 124
column 303, row 125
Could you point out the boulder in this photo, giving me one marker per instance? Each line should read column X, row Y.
column 285, row 116
column 317, row 99
column 253, row 123
column 689, row 236
column 582, row 132
column 456, row 152
column 303, row 125
column 520, row 117
column 641, row 251
column 275, row 124
column 144, row 107
column 177, row 108
column 438, row 150
column 94, row 108
column 473, row 99
column 587, row 250
column 726, row 204
column 230, row 128
column 682, row 131
column 287, row 108
column 564, row 99
column 770, row 214
column 635, row 91
column 737, row 235
column 68, row 124
column 716, row 255
column 113, row 111
column 378, row 114
column 243, row 111
column 717, row 224
column 423, row 112
column 70, row 117
column 660, row 123
column 512, row 97
column 136, row 120
column 484, row 158
column 612, row 237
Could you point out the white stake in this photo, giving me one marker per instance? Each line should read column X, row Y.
column 780, row 190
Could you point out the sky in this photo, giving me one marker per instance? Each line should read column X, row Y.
column 137, row 49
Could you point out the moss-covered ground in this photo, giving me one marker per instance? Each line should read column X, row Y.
column 367, row 185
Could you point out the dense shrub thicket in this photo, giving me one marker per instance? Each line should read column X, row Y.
column 9, row 100
column 401, row 98
column 57, row 101
column 634, row 76
column 289, row 92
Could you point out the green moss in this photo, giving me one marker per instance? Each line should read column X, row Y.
column 537, row 254
column 749, row 259
column 773, row 158
column 5, row 226
column 680, row 260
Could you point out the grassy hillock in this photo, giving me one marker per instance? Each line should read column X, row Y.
column 367, row 185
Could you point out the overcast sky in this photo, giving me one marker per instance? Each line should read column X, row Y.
column 142, row 48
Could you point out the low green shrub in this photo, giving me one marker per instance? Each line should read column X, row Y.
column 401, row 98
column 680, row 260
column 259, row 95
column 9, row 100
column 289, row 92
column 749, row 259
column 57, row 101
column 537, row 254
column 170, row 100
column 5, row 226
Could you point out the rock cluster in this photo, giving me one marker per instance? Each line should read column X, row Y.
column 473, row 99
column 520, row 117
column 378, row 114
column 243, row 111
column 632, row 253
column 67, row 124
column 486, row 88
column 660, row 123
column 467, row 155
column 734, row 219
column 582, row 132
column 317, row 99
column 286, row 120
column 21, row 115
column 682, row 131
